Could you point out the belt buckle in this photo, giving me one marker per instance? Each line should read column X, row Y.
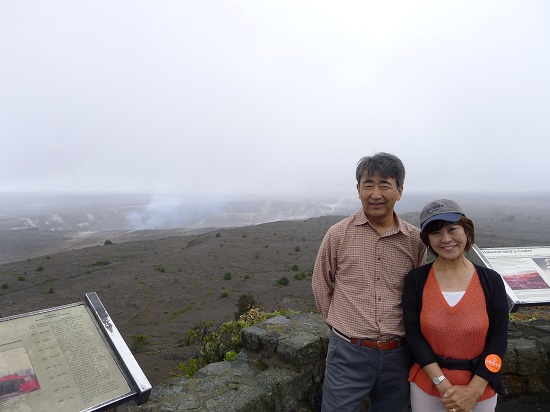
column 378, row 342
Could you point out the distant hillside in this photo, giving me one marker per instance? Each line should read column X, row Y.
column 33, row 226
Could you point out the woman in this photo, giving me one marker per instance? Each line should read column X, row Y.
column 456, row 319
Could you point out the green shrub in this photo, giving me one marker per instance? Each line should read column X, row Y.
column 247, row 276
column 224, row 342
column 108, row 242
column 5, row 286
column 139, row 342
column 227, row 276
column 295, row 268
column 187, row 340
column 160, row 269
column 101, row 263
column 40, row 268
column 246, row 302
column 21, row 278
column 50, row 291
column 299, row 276
column 283, row 281
column 230, row 356
column 225, row 294
column 190, row 368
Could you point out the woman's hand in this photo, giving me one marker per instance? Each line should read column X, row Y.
column 459, row 398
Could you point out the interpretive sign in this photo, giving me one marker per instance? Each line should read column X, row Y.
column 69, row 358
column 525, row 270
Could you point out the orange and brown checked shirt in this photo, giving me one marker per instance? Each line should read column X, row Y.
column 358, row 276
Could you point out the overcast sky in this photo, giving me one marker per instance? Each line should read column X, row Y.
column 272, row 97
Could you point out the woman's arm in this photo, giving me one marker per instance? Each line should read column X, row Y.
column 497, row 335
column 434, row 371
column 412, row 305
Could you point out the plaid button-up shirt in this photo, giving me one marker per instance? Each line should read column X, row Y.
column 358, row 276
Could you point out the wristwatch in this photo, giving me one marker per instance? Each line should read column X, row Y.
column 438, row 379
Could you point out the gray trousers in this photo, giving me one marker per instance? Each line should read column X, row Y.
column 354, row 372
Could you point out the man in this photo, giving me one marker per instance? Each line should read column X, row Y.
column 358, row 284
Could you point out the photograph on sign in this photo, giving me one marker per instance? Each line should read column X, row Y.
column 17, row 376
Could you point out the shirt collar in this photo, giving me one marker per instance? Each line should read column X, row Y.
column 362, row 219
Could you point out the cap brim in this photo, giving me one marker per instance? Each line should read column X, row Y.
column 447, row 217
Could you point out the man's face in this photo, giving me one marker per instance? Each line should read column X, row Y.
column 378, row 195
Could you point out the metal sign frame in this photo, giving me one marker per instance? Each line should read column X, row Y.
column 67, row 358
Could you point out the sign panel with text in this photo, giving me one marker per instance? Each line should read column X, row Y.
column 525, row 271
column 69, row 358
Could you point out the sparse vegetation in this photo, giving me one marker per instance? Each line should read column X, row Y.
column 224, row 342
column 227, row 276
column 160, row 269
column 283, row 281
column 299, row 276
column 246, row 302
column 100, row 263
column 230, row 356
column 108, row 242
column 295, row 268
column 218, row 234
column 5, row 286
column 40, row 268
column 225, row 294
column 50, row 291
column 21, row 278
column 139, row 342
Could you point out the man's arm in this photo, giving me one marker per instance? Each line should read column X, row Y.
column 322, row 281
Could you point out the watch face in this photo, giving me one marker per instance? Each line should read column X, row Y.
column 439, row 379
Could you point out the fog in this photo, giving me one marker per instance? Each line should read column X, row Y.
column 225, row 99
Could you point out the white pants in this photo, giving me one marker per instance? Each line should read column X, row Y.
column 422, row 402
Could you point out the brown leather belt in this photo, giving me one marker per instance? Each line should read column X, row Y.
column 374, row 344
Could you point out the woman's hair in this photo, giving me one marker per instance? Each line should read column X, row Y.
column 436, row 225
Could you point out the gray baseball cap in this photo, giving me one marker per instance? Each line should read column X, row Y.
column 441, row 209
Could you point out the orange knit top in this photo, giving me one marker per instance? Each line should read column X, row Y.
column 456, row 332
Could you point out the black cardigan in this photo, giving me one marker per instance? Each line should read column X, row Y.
column 497, row 311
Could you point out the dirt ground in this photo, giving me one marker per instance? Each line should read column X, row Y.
column 162, row 288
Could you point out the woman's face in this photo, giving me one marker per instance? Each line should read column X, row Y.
column 449, row 242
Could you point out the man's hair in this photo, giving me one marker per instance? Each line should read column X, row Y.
column 436, row 225
column 383, row 164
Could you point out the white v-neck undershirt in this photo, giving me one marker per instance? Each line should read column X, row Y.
column 453, row 298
